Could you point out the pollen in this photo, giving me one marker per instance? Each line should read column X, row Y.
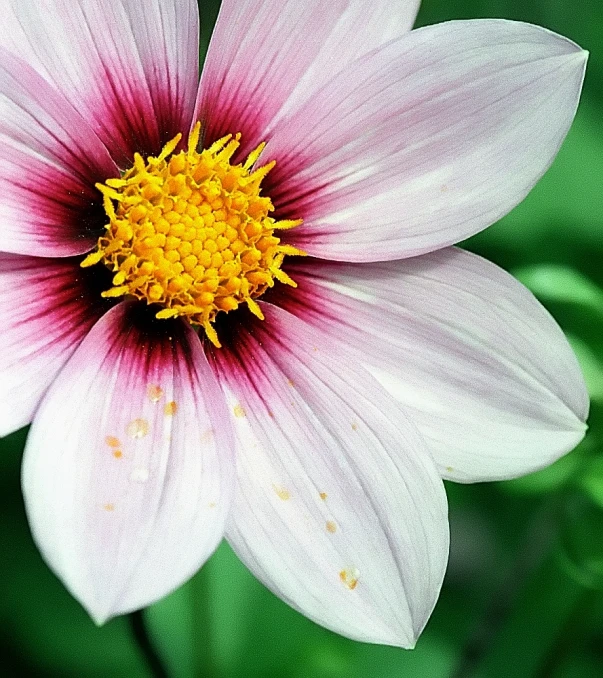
column 281, row 492
column 170, row 408
column 349, row 577
column 192, row 233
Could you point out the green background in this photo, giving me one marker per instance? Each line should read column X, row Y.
column 524, row 591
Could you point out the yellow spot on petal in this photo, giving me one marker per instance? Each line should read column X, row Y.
column 109, row 507
column 137, row 428
column 354, row 426
column 449, row 469
column 190, row 231
column 170, row 409
column 112, row 441
column 118, row 454
column 323, row 496
column 154, row 393
column 331, row 526
column 212, row 504
column 282, row 493
column 290, row 382
column 349, row 577
column 239, row 411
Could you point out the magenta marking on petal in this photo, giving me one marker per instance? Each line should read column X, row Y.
column 239, row 116
column 51, row 207
column 161, row 342
column 127, row 474
column 47, row 306
column 58, row 287
column 129, row 121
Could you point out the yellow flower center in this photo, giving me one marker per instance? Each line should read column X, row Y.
column 191, row 232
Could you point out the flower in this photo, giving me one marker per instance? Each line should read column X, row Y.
column 233, row 307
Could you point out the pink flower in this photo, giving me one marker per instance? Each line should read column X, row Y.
column 380, row 373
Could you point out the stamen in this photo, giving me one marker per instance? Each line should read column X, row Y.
column 191, row 232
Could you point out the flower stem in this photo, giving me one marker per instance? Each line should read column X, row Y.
column 141, row 636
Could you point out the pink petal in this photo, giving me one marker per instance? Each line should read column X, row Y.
column 328, row 513
column 267, row 57
column 477, row 363
column 128, row 468
column 131, row 68
column 377, row 24
column 46, row 308
column 49, row 162
column 425, row 141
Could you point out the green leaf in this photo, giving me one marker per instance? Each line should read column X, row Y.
column 591, row 481
column 561, row 283
column 591, row 364
column 547, row 480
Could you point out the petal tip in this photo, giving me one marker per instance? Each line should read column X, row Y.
column 98, row 619
column 402, row 637
column 580, row 57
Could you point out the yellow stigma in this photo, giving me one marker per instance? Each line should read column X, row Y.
column 191, row 232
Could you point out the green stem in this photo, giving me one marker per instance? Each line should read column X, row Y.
column 203, row 648
column 141, row 636
column 180, row 627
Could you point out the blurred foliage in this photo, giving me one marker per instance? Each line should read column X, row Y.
column 523, row 594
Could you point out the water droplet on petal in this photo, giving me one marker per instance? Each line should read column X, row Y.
column 154, row 393
column 138, row 428
column 139, row 475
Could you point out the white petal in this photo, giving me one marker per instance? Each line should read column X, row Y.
column 47, row 306
column 339, row 509
column 50, row 160
column 128, row 469
column 267, row 57
column 129, row 66
column 478, row 364
column 425, row 141
column 383, row 21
